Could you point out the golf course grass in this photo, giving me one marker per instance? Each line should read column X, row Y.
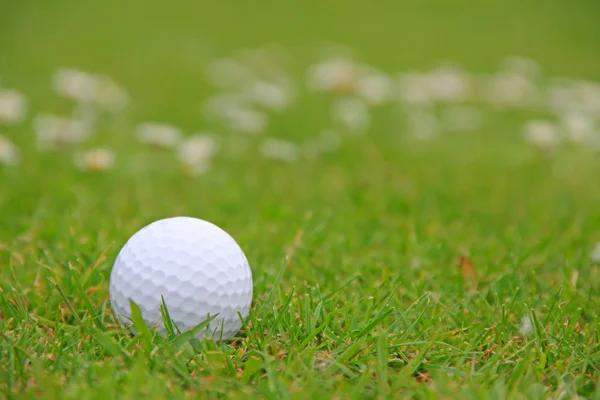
column 387, row 265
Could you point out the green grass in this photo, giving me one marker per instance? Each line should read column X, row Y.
column 358, row 291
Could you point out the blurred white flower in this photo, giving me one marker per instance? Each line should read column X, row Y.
column 462, row 118
column 97, row 160
column 220, row 106
column 589, row 97
column 511, row 90
column 75, row 84
column 414, row 89
column 13, row 106
column 560, row 98
column 448, row 84
column 525, row 327
column 336, row 74
column 541, row 133
column 197, row 146
column 596, row 253
column 53, row 131
column 227, row 73
column 374, row 87
column 195, row 153
column 571, row 95
column 235, row 110
column 9, row 154
column 522, row 65
column 86, row 87
column 160, row 135
column 351, row 114
column 282, row 150
column 247, row 120
column 274, row 95
column 578, row 127
column 422, row 123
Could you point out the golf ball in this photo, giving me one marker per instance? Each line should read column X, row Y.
column 194, row 265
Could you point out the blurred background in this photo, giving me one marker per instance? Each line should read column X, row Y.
column 159, row 53
column 247, row 111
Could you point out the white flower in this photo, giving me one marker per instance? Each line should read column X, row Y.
column 422, row 123
column 274, row 95
column 448, row 84
column 247, row 120
column 156, row 134
column 561, row 98
column 221, row 105
column 351, row 114
column 198, row 147
column 578, row 127
column 13, row 106
column 462, row 118
column 596, row 253
column 510, row 89
column 569, row 95
column 414, row 89
column 280, row 150
column 53, row 131
column 75, row 84
column 525, row 327
column 86, row 87
column 236, row 112
column 195, row 153
column 227, row 73
column 96, row 160
column 9, row 154
column 336, row 74
column 443, row 84
column 589, row 97
column 542, row 133
column 374, row 87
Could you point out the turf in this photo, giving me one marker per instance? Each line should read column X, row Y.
column 391, row 268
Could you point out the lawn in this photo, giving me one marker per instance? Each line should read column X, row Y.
column 437, row 249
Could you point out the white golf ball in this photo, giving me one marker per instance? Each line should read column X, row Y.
column 194, row 265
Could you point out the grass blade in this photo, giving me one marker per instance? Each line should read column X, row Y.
column 185, row 337
column 141, row 329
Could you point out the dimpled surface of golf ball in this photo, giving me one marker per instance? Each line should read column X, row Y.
column 194, row 265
